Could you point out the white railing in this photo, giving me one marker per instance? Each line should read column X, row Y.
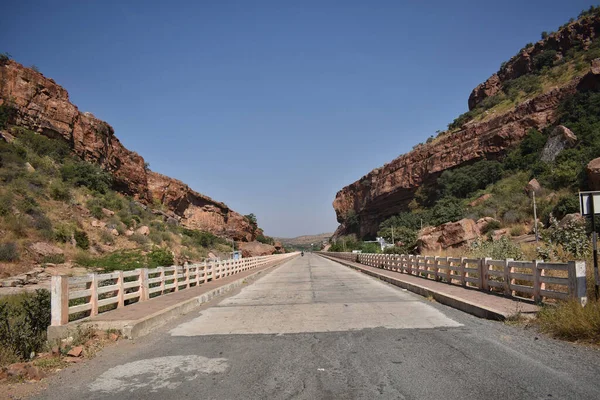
column 80, row 297
column 535, row 280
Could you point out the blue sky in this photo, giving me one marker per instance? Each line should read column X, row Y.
column 273, row 106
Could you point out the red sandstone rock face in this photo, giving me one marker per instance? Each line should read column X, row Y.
column 44, row 107
column 198, row 211
column 387, row 190
column 580, row 31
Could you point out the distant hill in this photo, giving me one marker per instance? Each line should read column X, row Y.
column 304, row 242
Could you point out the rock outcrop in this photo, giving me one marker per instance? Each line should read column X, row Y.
column 253, row 249
column 44, row 107
column 576, row 33
column 560, row 139
column 388, row 190
column 593, row 173
column 197, row 211
column 451, row 234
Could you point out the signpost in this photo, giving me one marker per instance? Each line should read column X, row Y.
column 589, row 202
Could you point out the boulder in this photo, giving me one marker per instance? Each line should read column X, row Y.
column 129, row 232
column 254, row 249
column 533, row 187
column 114, row 232
column 560, row 139
column 143, row 230
column 451, row 234
column 481, row 199
column 593, row 173
column 45, row 249
column 98, row 224
column 29, row 167
column 570, row 219
column 107, row 212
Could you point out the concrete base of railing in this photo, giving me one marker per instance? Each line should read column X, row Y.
column 133, row 329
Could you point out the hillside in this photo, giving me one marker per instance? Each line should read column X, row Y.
column 72, row 195
column 304, row 242
column 534, row 118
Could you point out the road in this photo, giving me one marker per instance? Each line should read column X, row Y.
column 314, row 329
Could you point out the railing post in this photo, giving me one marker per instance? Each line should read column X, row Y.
column 176, row 278
column 121, row 294
column 436, row 268
column 577, row 281
column 197, row 274
column 93, row 295
column 161, row 271
column 186, row 268
column 144, row 286
column 60, row 300
column 462, row 271
column 483, row 274
column 537, row 282
column 507, row 271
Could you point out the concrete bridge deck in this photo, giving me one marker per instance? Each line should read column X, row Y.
column 315, row 329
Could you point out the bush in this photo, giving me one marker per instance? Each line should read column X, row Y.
column 24, row 319
column 448, row 209
column 9, row 252
column 63, row 233
column 56, row 149
column 6, row 204
column 82, row 173
column 107, row 238
column 544, row 60
column 59, row 191
column 265, row 239
column 496, row 249
column 572, row 237
column 517, row 230
column 159, row 257
column 139, row 239
column 491, row 226
column 463, row 181
column 566, row 205
column 8, row 113
column 201, row 238
column 81, row 239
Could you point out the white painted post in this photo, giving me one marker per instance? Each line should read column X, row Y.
column 483, row 274
column 197, row 274
column 537, row 282
column 463, row 274
column 59, row 303
column 176, row 279
column 507, row 271
column 93, row 295
column 436, row 268
column 144, row 285
column 186, row 268
column 121, row 294
column 161, row 271
column 577, row 281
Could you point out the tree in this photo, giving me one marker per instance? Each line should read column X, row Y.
column 251, row 218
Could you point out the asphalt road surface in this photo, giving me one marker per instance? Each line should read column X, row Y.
column 314, row 329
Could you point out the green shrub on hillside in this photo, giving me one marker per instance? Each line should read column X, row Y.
column 9, row 252
column 499, row 249
column 24, row 319
column 81, row 173
column 7, row 112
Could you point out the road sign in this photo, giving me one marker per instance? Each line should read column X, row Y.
column 589, row 203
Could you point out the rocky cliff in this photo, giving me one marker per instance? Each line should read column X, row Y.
column 361, row 206
column 44, row 107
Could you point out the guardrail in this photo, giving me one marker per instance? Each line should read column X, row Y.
column 534, row 280
column 75, row 298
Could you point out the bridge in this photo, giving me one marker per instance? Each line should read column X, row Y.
column 314, row 327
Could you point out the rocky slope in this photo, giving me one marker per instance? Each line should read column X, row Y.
column 361, row 206
column 43, row 106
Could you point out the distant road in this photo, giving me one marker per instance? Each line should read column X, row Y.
column 314, row 329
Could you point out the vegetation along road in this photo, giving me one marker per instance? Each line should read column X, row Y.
column 314, row 329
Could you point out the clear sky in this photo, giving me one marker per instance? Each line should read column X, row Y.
column 273, row 106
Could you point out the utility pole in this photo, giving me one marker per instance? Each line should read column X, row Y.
column 535, row 218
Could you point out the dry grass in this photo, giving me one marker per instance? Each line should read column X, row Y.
column 569, row 321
